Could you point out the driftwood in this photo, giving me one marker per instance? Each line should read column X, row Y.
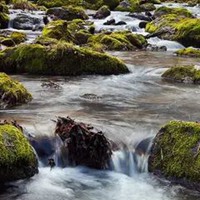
column 84, row 145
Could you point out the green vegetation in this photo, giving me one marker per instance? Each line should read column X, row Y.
column 189, row 52
column 177, row 27
column 178, row 11
column 12, row 38
column 4, row 18
column 23, row 4
column 17, row 156
column 12, row 92
column 59, row 59
column 175, row 151
column 187, row 74
column 121, row 41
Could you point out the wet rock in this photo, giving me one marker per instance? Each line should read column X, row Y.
column 140, row 16
column 12, row 92
column 183, row 74
column 18, row 160
column 26, row 22
column 175, row 154
column 85, row 145
column 124, row 4
column 109, row 22
column 143, row 24
column 151, row 47
column 120, row 23
column 67, row 13
column 102, row 13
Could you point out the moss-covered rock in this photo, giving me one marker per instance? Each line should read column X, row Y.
column 18, row 160
column 121, row 41
column 102, row 13
column 188, row 52
column 176, row 27
column 58, row 3
column 175, row 153
column 12, row 92
column 23, row 4
column 186, row 74
column 9, row 38
column 166, row 10
column 68, row 13
column 60, row 59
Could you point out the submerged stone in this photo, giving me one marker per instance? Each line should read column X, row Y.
column 175, row 153
column 18, row 160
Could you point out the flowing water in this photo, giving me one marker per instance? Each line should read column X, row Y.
column 128, row 108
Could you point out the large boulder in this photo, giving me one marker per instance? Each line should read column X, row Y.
column 183, row 74
column 68, row 13
column 83, row 144
column 121, row 41
column 18, row 160
column 175, row 153
column 59, row 59
column 102, row 13
column 178, row 27
column 12, row 92
column 26, row 22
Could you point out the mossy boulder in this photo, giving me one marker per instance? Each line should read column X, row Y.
column 121, row 41
column 58, row 3
column 183, row 74
column 188, row 52
column 102, row 13
column 12, row 92
column 175, row 153
column 68, row 13
column 8, row 38
column 178, row 28
column 18, row 160
column 60, row 59
column 24, row 5
column 166, row 10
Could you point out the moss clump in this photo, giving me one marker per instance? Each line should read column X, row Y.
column 188, row 52
column 18, row 160
column 58, row 3
column 60, row 59
column 175, row 151
column 119, row 41
column 23, row 4
column 68, row 13
column 58, row 30
column 4, row 8
column 177, row 27
column 12, row 92
column 166, row 10
column 12, row 38
column 187, row 74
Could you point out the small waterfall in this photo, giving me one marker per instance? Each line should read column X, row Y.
column 131, row 162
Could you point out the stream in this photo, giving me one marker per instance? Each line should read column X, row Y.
column 127, row 108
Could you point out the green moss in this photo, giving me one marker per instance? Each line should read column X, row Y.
column 23, row 4
column 147, row 7
column 175, row 152
column 183, row 74
column 17, row 156
column 58, row 30
column 45, row 40
column 60, row 59
column 120, row 41
column 178, row 11
column 68, row 13
column 12, row 92
column 190, row 52
column 58, row 3
column 4, row 8
column 12, row 38
column 4, row 20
